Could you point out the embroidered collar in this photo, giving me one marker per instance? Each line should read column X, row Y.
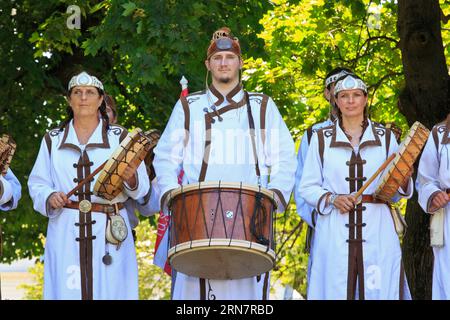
column 340, row 139
column 98, row 138
column 233, row 97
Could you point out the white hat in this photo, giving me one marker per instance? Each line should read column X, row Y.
column 334, row 77
column 85, row 80
column 349, row 83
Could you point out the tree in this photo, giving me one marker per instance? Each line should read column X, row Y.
column 139, row 49
column 405, row 67
column 424, row 98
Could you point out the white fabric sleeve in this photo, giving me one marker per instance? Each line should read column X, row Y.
column 303, row 209
column 428, row 174
column 169, row 152
column 149, row 205
column 279, row 149
column 310, row 187
column 40, row 183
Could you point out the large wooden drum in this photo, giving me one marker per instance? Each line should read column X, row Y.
column 221, row 230
column 397, row 171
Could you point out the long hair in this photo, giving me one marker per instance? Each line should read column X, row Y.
column 102, row 110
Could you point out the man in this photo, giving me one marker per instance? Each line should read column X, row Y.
column 306, row 212
column 216, row 145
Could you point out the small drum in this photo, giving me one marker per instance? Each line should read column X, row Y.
column 396, row 172
column 7, row 149
column 132, row 149
column 221, row 230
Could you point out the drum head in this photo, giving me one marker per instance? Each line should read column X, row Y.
column 216, row 259
column 132, row 149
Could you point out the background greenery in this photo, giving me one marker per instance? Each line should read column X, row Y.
column 140, row 49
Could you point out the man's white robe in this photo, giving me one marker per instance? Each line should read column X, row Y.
column 230, row 160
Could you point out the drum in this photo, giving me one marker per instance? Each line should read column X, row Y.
column 132, row 149
column 221, row 230
column 397, row 171
column 7, row 149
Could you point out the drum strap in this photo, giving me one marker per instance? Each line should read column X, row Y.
column 202, row 284
column 388, row 141
column 266, row 285
column 251, row 124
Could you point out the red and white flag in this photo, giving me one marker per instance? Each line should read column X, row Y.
column 162, row 236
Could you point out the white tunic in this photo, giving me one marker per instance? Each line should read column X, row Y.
column 10, row 191
column 434, row 176
column 146, row 206
column 381, row 253
column 54, row 171
column 230, row 160
column 304, row 210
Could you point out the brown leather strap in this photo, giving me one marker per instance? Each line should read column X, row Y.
column 402, row 282
column 262, row 117
column 321, row 138
column 187, row 119
column 368, row 198
column 97, row 207
column 265, row 286
column 202, row 283
column 251, row 124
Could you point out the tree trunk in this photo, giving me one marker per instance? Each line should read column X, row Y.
column 424, row 99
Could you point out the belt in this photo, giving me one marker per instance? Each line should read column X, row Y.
column 368, row 198
column 97, row 207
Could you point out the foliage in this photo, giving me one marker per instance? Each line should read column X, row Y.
column 305, row 41
column 139, row 49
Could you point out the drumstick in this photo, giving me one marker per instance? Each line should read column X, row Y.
column 383, row 166
column 85, row 180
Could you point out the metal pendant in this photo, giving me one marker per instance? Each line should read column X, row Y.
column 107, row 259
column 85, row 206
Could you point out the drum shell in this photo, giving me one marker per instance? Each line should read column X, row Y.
column 189, row 224
column 211, row 231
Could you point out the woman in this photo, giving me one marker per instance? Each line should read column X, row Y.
column 356, row 252
column 79, row 262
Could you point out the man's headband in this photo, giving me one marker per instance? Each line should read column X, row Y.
column 222, row 40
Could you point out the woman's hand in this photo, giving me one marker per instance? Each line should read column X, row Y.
column 344, row 203
column 129, row 175
column 58, row 200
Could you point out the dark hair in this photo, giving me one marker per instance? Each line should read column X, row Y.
column 109, row 100
column 336, row 71
column 102, row 110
